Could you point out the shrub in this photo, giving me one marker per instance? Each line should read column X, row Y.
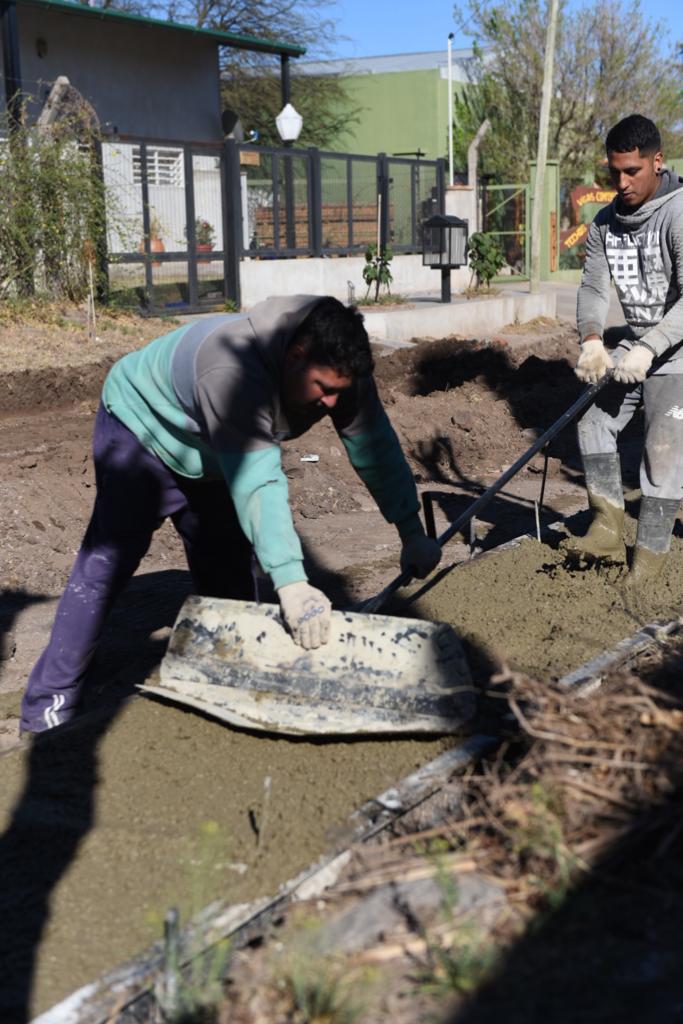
column 377, row 270
column 52, row 212
column 486, row 257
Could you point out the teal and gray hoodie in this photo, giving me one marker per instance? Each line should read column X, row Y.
column 642, row 252
column 206, row 399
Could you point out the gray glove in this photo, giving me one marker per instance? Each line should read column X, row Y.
column 306, row 612
column 594, row 361
column 420, row 554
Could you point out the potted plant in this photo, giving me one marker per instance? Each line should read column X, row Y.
column 204, row 235
column 156, row 243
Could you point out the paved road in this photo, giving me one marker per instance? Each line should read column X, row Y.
column 566, row 301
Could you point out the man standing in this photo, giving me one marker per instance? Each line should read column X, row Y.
column 637, row 241
column 190, row 428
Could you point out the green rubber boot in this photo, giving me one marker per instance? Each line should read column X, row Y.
column 604, row 540
column 655, row 525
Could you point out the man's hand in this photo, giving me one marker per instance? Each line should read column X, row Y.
column 633, row 366
column 306, row 612
column 594, row 361
column 420, row 554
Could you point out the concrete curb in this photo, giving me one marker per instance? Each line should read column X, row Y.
column 470, row 317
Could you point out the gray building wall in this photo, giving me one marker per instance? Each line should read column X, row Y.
column 155, row 82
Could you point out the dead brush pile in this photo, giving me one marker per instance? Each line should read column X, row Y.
column 584, row 783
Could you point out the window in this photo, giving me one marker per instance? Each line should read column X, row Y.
column 164, row 166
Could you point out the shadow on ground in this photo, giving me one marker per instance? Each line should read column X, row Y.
column 55, row 810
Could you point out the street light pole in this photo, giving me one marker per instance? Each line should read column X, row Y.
column 542, row 153
column 450, row 109
column 290, row 221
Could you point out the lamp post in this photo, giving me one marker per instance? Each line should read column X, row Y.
column 444, row 246
column 288, row 123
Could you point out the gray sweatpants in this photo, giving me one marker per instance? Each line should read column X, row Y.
column 661, row 468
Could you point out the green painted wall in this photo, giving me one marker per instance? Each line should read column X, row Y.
column 401, row 112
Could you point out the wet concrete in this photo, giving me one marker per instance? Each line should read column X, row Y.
column 106, row 825
column 525, row 608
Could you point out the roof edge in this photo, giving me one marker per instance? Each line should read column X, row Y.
column 232, row 39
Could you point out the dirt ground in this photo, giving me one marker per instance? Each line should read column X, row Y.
column 147, row 805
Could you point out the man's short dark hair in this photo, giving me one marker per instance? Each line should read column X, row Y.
column 634, row 132
column 334, row 335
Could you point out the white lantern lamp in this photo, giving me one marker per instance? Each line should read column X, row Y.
column 288, row 123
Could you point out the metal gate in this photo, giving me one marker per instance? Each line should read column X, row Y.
column 165, row 224
column 180, row 217
column 505, row 213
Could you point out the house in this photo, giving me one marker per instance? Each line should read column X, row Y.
column 142, row 76
column 403, row 100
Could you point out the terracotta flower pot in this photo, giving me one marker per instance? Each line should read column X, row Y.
column 155, row 245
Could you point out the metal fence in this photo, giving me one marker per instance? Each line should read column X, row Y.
column 505, row 213
column 181, row 217
column 309, row 202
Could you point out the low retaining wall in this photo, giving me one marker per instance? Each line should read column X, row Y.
column 471, row 317
column 332, row 276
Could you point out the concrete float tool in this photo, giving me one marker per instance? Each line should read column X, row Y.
column 235, row 661
column 378, row 674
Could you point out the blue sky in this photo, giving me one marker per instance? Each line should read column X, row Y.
column 376, row 27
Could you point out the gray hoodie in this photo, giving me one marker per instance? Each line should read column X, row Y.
column 642, row 252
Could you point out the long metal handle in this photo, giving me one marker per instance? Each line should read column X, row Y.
column 373, row 604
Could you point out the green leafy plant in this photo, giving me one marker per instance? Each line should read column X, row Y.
column 319, row 993
column 203, row 232
column 461, row 965
column 189, row 987
column 539, row 842
column 377, row 269
column 52, row 212
column 156, row 228
column 486, row 257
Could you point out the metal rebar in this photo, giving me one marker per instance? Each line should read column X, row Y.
column 538, row 522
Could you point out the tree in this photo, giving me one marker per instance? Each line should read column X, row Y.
column 251, row 87
column 608, row 64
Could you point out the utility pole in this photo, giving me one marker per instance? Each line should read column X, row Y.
column 542, row 152
column 450, row 109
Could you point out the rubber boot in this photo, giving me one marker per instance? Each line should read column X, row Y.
column 655, row 525
column 604, row 540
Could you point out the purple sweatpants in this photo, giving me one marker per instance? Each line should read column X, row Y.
column 135, row 493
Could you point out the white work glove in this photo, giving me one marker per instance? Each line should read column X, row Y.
column 306, row 612
column 633, row 366
column 419, row 555
column 594, row 361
